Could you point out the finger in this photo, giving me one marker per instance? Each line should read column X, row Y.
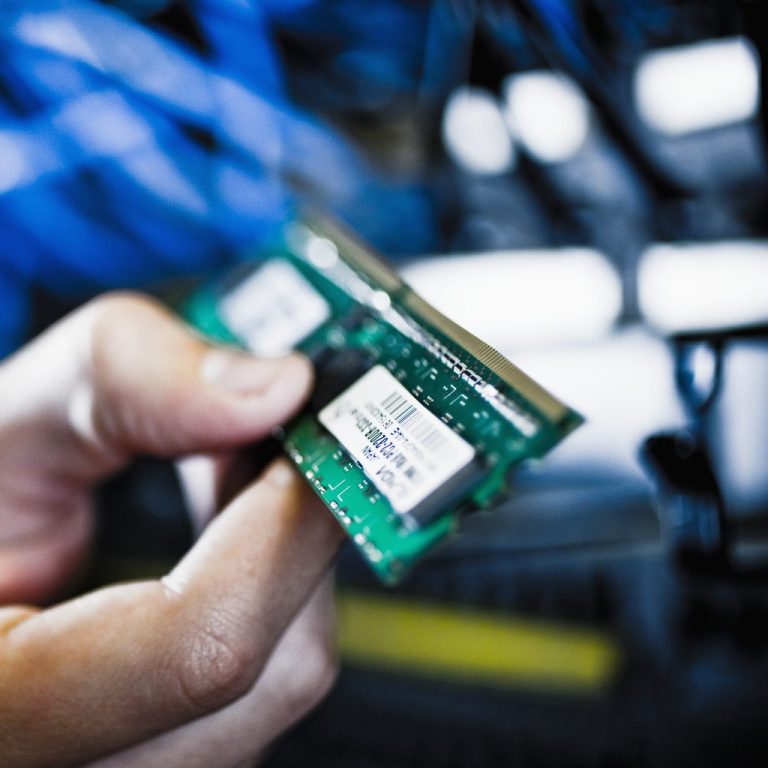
column 297, row 675
column 130, row 662
column 210, row 481
column 175, row 392
column 35, row 566
column 131, row 379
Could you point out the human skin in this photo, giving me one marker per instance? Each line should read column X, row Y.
column 205, row 666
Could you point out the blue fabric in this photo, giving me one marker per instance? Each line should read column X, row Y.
column 128, row 156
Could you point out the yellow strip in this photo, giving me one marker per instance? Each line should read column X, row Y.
column 473, row 646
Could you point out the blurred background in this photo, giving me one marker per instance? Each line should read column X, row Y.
column 582, row 183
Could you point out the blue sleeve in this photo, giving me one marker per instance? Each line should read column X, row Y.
column 128, row 156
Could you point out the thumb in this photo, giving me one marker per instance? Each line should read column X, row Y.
column 157, row 388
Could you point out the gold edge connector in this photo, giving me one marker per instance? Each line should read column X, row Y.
column 360, row 257
column 491, row 358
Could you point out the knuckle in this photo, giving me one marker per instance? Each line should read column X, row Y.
column 119, row 302
column 120, row 317
column 114, row 322
column 215, row 665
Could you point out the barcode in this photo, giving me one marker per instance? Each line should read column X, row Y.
column 406, row 414
column 403, row 448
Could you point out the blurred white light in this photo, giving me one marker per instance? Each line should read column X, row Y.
column 475, row 134
column 622, row 384
column 695, row 87
column 742, row 429
column 103, row 124
column 322, row 252
column 547, row 113
column 13, row 166
column 155, row 171
column 197, row 476
column 381, row 301
column 702, row 364
column 55, row 33
column 701, row 286
column 524, row 298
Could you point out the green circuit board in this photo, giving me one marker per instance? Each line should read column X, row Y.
column 413, row 421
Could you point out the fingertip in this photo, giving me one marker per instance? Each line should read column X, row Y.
column 239, row 373
column 280, row 474
column 295, row 378
column 266, row 393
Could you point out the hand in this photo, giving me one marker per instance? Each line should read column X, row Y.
column 205, row 666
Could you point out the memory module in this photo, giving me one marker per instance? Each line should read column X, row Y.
column 413, row 422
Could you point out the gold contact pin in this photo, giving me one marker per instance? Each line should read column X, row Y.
column 360, row 257
column 491, row 358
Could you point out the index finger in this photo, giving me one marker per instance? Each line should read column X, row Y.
column 123, row 664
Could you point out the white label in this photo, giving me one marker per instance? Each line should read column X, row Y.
column 274, row 309
column 405, row 450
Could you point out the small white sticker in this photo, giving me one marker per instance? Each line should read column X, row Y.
column 403, row 448
column 274, row 309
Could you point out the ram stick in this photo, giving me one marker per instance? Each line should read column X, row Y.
column 413, row 421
